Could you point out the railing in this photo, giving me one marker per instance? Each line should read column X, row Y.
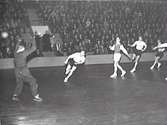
column 59, row 61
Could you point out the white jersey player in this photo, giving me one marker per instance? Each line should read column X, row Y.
column 72, row 62
column 158, row 56
column 164, row 45
column 139, row 47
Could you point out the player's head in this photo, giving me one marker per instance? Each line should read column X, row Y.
column 117, row 40
column 140, row 38
column 82, row 53
column 159, row 41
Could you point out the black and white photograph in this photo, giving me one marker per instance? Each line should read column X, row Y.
column 83, row 62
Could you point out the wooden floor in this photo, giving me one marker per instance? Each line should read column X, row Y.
column 92, row 98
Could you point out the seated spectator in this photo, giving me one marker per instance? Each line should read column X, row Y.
column 89, row 25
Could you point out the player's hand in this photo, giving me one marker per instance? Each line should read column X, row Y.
column 129, row 45
column 110, row 47
column 65, row 62
column 154, row 48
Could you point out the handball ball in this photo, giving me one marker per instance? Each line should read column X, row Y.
column 4, row 35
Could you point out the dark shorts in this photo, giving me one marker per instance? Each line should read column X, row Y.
column 159, row 54
column 71, row 62
column 138, row 52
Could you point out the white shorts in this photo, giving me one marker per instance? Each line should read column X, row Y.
column 117, row 57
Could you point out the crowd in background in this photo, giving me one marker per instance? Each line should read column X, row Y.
column 84, row 25
column 14, row 22
column 93, row 25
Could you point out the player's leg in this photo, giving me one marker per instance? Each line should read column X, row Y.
column 155, row 62
column 123, row 72
column 33, row 85
column 19, row 86
column 117, row 57
column 70, row 73
column 133, row 57
column 115, row 70
column 158, row 60
column 68, row 68
column 136, row 63
column 134, row 54
column 159, row 65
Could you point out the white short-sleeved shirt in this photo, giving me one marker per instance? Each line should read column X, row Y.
column 78, row 58
column 139, row 45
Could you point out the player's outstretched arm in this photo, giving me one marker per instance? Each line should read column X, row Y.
column 164, row 45
column 112, row 47
column 156, row 47
column 125, row 52
column 132, row 45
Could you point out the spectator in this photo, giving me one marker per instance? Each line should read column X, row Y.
column 46, row 41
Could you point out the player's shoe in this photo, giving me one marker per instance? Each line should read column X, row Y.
column 15, row 98
column 113, row 76
column 151, row 67
column 159, row 65
column 123, row 73
column 65, row 80
column 37, row 98
column 133, row 70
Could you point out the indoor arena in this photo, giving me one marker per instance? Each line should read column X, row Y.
column 83, row 62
